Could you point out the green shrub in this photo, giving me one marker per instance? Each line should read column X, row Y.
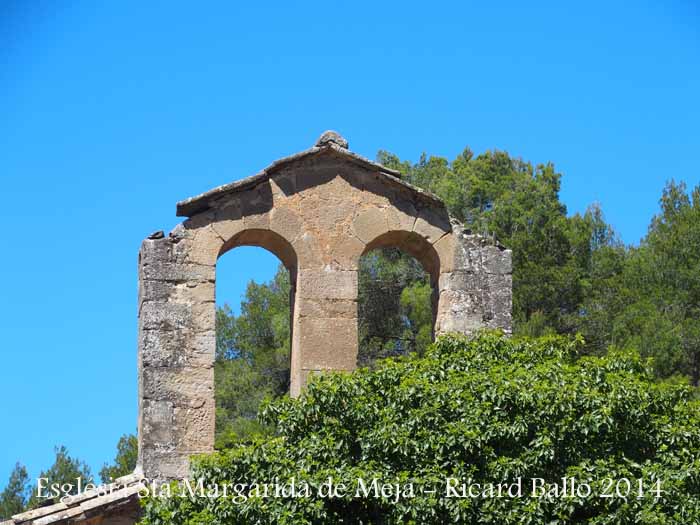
column 487, row 410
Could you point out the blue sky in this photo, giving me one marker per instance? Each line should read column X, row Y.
column 112, row 112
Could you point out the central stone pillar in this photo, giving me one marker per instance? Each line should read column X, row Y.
column 324, row 324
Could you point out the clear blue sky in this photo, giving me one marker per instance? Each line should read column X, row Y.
column 110, row 112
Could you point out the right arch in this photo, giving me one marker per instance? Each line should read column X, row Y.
column 418, row 247
column 381, row 327
column 414, row 245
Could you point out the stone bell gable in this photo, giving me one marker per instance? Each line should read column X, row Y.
column 319, row 211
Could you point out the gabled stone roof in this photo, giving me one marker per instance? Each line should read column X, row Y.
column 118, row 498
column 328, row 142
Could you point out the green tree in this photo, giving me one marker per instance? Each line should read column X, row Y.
column 518, row 203
column 13, row 499
column 125, row 460
column 484, row 410
column 65, row 470
column 662, row 284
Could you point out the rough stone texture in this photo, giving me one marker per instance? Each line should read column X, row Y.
column 331, row 136
column 176, row 349
column 475, row 290
column 319, row 211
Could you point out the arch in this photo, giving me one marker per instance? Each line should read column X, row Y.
column 421, row 249
column 285, row 252
column 414, row 245
column 254, row 356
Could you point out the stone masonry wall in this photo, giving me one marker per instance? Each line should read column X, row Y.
column 319, row 212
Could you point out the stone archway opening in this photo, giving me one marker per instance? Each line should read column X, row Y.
column 397, row 296
column 395, row 306
column 254, row 301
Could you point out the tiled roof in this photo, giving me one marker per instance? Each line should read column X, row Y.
column 108, row 499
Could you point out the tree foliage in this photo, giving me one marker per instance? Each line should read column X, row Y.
column 13, row 499
column 661, row 288
column 394, row 306
column 125, row 460
column 486, row 410
column 518, row 203
column 65, row 470
column 20, row 494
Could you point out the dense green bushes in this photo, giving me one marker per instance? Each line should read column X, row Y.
column 489, row 410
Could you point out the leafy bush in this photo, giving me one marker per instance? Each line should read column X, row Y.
column 486, row 410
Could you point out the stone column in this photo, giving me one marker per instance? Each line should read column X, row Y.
column 176, row 345
column 476, row 288
column 325, row 324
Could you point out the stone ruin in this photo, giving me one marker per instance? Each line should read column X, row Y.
column 318, row 211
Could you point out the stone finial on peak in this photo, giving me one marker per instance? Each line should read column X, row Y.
column 328, row 137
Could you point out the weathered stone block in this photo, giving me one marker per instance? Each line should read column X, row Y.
column 169, row 271
column 497, row 260
column 157, row 424
column 193, row 292
column 402, row 216
column 203, row 316
column 205, row 247
column 155, row 291
column 165, row 316
column 194, row 428
column 328, row 344
column 468, row 253
column 286, row 223
column 177, row 348
column 183, row 387
column 229, row 219
column 498, row 301
column 460, row 281
column 369, row 223
column 153, row 250
column 459, row 311
column 327, row 308
column 259, row 221
column 164, row 465
column 308, row 250
column 432, row 224
column 445, row 249
column 346, row 252
column 327, row 284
